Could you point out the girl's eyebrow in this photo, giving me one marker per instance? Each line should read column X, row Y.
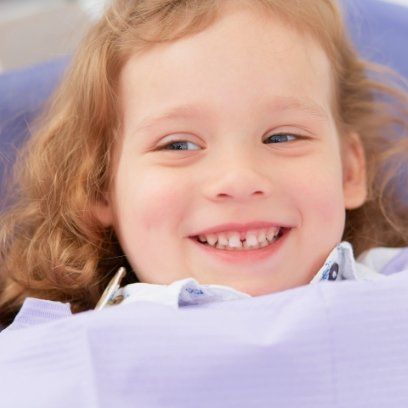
column 277, row 105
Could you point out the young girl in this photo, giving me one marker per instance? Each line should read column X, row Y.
column 213, row 148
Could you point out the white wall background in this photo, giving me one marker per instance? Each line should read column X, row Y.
column 32, row 31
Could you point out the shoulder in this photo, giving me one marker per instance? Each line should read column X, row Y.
column 385, row 261
column 38, row 311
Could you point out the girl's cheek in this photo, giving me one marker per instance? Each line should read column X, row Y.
column 319, row 193
column 155, row 198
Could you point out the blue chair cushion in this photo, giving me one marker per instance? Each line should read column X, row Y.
column 380, row 31
column 22, row 94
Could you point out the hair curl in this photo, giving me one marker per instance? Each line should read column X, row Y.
column 53, row 247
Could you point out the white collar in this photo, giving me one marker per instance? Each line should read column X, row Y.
column 339, row 265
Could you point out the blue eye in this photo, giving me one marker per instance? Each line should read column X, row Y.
column 185, row 145
column 282, row 138
column 178, row 145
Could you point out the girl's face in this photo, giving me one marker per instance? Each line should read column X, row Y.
column 233, row 125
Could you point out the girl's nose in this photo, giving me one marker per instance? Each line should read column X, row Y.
column 239, row 179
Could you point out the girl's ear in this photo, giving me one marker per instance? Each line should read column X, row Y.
column 354, row 172
column 103, row 211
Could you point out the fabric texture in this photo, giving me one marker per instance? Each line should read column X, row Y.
column 329, row 343
column 342, row 344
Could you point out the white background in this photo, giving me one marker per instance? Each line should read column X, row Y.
column 32, row 31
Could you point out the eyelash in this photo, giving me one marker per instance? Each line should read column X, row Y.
column 164, row 147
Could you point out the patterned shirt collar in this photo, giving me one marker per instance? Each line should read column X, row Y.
column 339, row 265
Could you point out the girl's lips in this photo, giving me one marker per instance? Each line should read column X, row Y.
column 243, row 256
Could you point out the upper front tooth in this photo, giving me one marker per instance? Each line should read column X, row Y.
column 251, row 239
column 234, row 240
column 222, row 239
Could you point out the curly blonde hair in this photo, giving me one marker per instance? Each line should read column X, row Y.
column 51, row 244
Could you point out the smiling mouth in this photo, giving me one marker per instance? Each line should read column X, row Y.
column 244, row 246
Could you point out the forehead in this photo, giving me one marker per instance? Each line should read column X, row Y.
column 244, row 60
